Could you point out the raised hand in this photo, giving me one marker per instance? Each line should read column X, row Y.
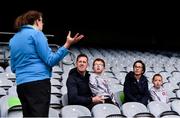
column 71, row 40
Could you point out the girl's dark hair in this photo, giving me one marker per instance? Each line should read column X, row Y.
column 156, row 75
column 27, row 18
column 143, row 65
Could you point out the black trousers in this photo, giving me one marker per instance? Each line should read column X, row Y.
column 35, row 98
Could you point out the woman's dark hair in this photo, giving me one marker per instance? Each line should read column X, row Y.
column 27, row 18
column 143, row 65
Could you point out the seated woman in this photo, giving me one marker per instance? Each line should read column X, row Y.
column 136, row 84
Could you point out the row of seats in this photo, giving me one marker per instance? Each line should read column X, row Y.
column 10, row 106
column 130, row 109
column 118, row 63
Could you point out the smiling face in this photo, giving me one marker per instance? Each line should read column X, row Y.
column 82, row 64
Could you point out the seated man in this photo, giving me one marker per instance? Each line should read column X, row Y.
column 77, row 84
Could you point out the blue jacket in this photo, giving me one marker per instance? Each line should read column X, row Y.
column 31, row 57
column 136, row 91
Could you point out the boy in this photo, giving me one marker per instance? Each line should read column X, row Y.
column 98, row 84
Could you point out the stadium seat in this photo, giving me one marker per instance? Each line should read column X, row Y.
column 157, row 107
column 171, row 116
column 112, row 80
column 174, row 80
column 119, row 97
column 1, row 69
column 57, row 69
column 56, row 83
column 116, row 116
column 64, row 96
column 5, row 83
column 8, row 69
column 176, row 74
column 3, row 75
column 178, row 93
column 63, row 89
column 116, row 87
column 12, row 91
column 9, row 103
column 104, row 110
column 11, row 76
column 171, row 89
column 150, row 75
column 69, row 59
column 64, row 99
column 75, row 111
column 56, row 76
column 144, row 115
column 121, row 76
column 169, row 113
column 55, row 91
column 55, row 102
column 175, row 106
column 2, row 92
column 130, row 109
column 54, row 113
column 165, row 75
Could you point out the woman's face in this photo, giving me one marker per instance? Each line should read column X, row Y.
column 138, row 69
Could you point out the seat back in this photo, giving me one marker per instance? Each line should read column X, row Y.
column 119, row 97
column 175, row 106
column 144, row 115
column 9, row 103
column 130, row 109
column 157, row 107
column 74, row 111
column 103, row 110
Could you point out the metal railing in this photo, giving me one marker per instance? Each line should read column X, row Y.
column 12, row 33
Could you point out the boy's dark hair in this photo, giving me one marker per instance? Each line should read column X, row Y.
column 99, row 59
